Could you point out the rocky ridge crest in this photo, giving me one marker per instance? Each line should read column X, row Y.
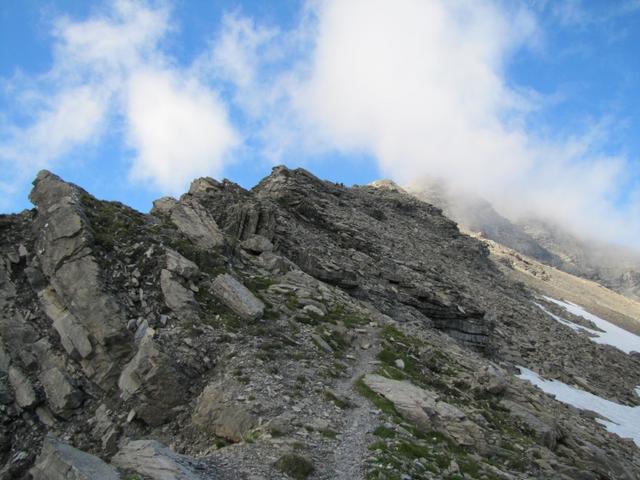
column 299, row 329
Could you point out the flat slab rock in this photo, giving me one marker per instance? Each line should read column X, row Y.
column 423, row 408
column 155, row 461
column 237, row 297
column 60, row 461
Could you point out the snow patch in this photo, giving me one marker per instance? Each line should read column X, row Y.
column 610, row 335
column 619, row 419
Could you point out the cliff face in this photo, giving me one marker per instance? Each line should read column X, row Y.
column 300, row 329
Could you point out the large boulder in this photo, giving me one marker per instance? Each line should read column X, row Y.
column 155, row 461
column 59, row 461
column 237, row 297
column 424, row 409
column 217, row 412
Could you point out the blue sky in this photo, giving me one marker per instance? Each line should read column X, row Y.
column 532, row 104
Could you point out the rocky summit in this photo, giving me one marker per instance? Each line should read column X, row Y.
column 300, row 329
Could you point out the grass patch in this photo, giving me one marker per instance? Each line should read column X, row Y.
column 380, row 402
column 342, row 403
column 384, row 432
column 339, row 314
column 295, row 466
column 256, row 284
column 111, row 222
column 328, row 433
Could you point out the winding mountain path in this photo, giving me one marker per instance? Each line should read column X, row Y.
column 349, row 455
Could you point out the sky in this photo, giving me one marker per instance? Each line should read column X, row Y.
column 532, row 104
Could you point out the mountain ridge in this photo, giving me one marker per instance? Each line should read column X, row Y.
column 615, row 267
column 300, row 329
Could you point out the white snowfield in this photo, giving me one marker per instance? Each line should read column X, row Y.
column 610, row 334
column 620, row 419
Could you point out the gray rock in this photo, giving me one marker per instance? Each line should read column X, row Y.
column 155, row 461
column 424, row 409
column 6, row 395
column 105, row 430
column 73, row 335
column 64, row 250
column 7, row 288
column 196, row 223
column 218, row 412
column 257, row 244
column 276, row 263
column 163, row 205
column 237, row 297
column 491, row 380
column 25, row 395
column 62, row 395
column 59, row 461
column 5, row 360
column 321, row 342
column 184, row 267
column 177, row 297
column 155, row 380
column 203, row 185
column 544, row 426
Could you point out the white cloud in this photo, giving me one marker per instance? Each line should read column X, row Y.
column 422, row 87
column 179, row 129
column 110, row 71
column 234, row 54
column 126, row 35
column 70, row 118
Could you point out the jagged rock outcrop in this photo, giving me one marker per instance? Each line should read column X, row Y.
column 63, row 248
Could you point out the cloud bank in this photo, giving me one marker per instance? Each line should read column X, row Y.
column 421, row 87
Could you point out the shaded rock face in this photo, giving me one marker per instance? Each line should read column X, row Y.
column 395, row 261
column 155, row 380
